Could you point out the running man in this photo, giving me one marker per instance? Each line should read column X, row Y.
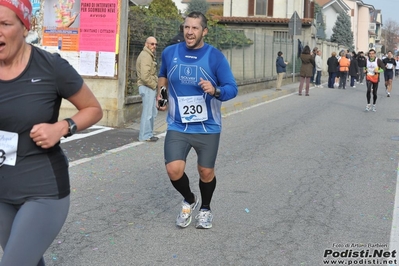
column 390, row 65
column 198, row 78
column 374, row 67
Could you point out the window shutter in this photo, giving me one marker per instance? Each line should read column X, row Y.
column 251, row 7
column 306, row 9
column 311, row 15
column 270, row 6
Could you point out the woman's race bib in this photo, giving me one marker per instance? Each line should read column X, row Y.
column 8, row 147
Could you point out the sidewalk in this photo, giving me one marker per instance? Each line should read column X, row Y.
column 242, row 101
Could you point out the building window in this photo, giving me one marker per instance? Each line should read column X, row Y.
column 260, row 8
column 281, row 37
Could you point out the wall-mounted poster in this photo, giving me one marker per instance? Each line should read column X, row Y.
column 77, row 28
column 61, row 24
column 99, row 20
column 61, row 13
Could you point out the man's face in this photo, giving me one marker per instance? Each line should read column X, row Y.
column 372, row 54
column 194, row 33
column 389, row 55
column 151, row 44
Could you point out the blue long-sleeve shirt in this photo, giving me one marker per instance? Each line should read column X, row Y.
column 190, row 109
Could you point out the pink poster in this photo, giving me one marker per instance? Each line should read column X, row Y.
column 98, row 25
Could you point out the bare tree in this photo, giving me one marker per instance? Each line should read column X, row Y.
column 390, row 34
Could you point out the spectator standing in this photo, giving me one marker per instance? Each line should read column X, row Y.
column 348, row 55
column 361, row 63
column 281, row 66
column 319, row 68
column 336, row 84
column 343, row 70
column 314, row 52
column 178, row 37
column 353, row 70
column 147, row 80
column 397, row 67
column 306, row 70
column 332, row 64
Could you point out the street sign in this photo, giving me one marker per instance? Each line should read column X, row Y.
column 295, row 25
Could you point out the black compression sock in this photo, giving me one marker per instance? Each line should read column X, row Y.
column 183, row 186
column 207, row 190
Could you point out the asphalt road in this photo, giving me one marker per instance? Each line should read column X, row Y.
column 297, row 177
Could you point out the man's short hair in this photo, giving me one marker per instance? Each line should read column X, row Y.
column 197, row 14
column 279, row 53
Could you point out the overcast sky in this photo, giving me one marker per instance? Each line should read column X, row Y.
column 389, row 8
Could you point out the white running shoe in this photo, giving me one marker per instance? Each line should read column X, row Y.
column 374, row 110
column 367, row 108
column 184, row 218
column 204, row 219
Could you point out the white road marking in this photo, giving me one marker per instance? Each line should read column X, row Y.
column 99, row 130
column 394, row 240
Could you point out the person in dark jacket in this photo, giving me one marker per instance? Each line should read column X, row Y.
column 353, row 70
column 332, row 64
column 361, row 63
column 179, row 37
column 306, row 70
column 281, row 69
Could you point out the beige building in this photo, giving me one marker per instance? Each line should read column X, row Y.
column 183, row 4
column 365, row 24
column 268, row 8
column 360, row 19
